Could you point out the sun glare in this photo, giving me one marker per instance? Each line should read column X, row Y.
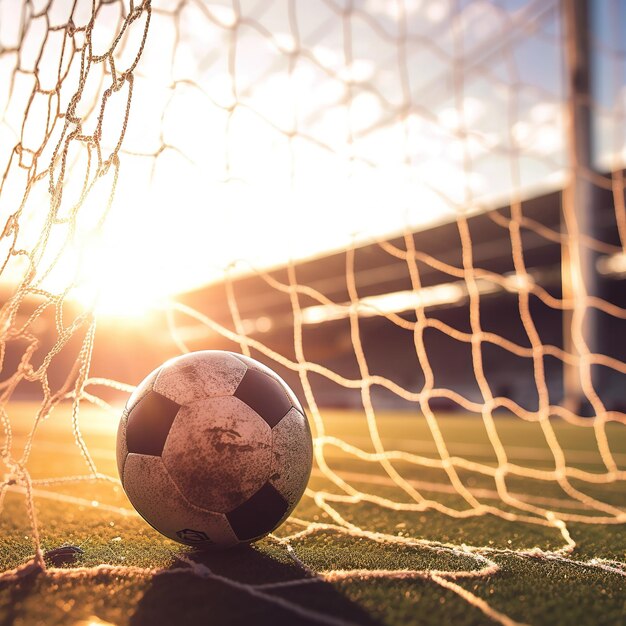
column 117, row 298
column 113, row 285
column 214, row 178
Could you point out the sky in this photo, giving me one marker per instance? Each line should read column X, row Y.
column 270, row 135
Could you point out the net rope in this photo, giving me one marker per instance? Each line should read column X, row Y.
column 71, row 73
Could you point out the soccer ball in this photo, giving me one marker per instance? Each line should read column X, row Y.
column 214, row 449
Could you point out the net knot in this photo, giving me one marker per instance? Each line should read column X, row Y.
column 10, row 225
column 12, row 478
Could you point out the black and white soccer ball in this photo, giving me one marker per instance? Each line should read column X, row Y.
column 214, row 449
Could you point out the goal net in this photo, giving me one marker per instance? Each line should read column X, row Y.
column 413, row 210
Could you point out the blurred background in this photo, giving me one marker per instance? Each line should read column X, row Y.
column 432, row 188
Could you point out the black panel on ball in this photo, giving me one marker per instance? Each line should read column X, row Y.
column 149, row 424
column 259, row 514
column 264, row 395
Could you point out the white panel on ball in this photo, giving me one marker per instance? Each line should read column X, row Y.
column 121, row 447
column 218, row 452
column 156, row 497
column 199, row 375
column 292, row 455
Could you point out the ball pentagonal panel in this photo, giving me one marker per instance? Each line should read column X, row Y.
column 264, row 395
column 141, row 390
column 155, row 496
column 218, row 452
column 292, row 455
column 149, row 423
column 200, row 375
column 254, row 365
column 259, row 514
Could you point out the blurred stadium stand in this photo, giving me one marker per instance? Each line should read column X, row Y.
column 267, row 313
column 126, row 351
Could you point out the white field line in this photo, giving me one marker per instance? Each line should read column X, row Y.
column 105, row 454
column 491, row 494
column 457, row 448
column 62, row 497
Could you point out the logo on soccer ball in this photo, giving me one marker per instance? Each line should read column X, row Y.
column 193, row 536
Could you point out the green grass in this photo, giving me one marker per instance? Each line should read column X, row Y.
column 98, row 518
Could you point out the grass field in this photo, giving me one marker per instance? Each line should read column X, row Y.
column 128, row 574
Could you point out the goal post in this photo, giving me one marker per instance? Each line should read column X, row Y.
column 582, row 331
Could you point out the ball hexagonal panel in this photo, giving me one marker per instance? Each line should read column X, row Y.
column 292, row 455
column 200, row 375
column 218, row 452
column 259, row 367
column 158, row 500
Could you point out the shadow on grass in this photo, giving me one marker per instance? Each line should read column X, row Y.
column 17, row 594
column 183, row 599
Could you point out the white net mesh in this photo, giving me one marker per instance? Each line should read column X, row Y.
column 147, row 150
